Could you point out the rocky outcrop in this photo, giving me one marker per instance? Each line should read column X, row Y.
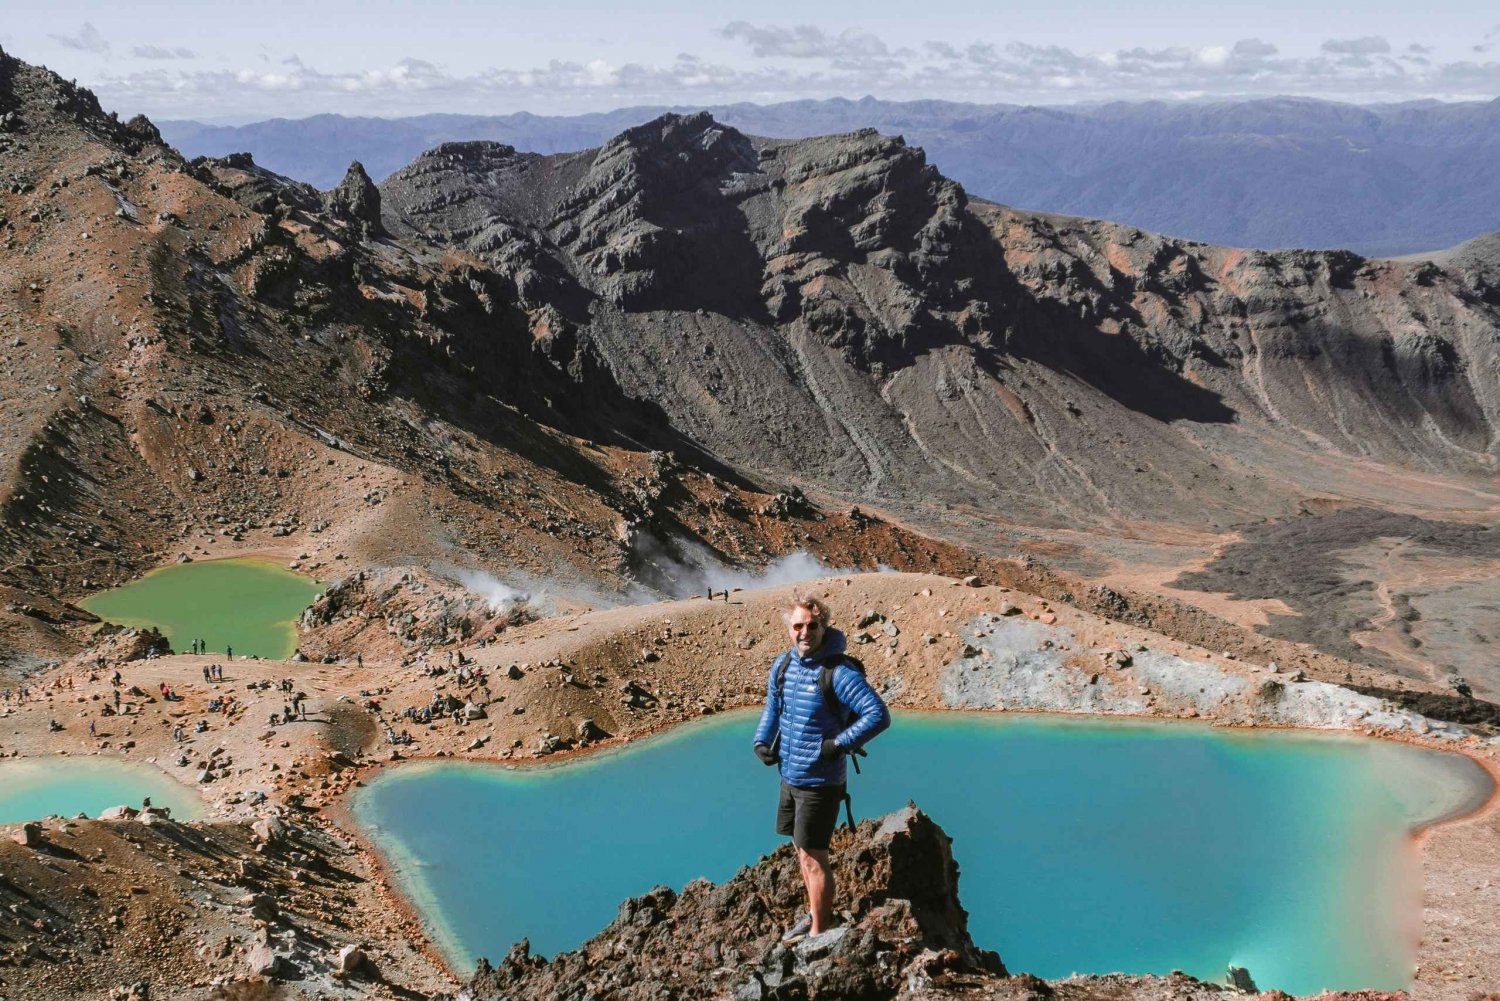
column 904, row 928
column 904, row 935
column 356, row 200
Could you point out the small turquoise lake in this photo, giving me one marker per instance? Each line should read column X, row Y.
column 1084, row 845
column 251, row 605
column 32, row 788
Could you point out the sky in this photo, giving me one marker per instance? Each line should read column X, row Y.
column 243, row 62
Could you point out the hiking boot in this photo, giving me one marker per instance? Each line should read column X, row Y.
column 798, row 931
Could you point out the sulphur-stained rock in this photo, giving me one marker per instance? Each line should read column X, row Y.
column 896, row 875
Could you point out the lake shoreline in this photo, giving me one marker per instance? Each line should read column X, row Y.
column 715, row 654
column 342, row 811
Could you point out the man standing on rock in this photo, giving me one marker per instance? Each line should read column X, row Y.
column 819, row 708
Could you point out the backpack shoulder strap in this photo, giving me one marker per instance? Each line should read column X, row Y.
column 781, row 665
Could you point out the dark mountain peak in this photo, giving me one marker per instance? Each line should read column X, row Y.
column 238, row 176
column 36, row 100
column 479, row 153
column 356, row 200
column 677, row 149
column 144, row 129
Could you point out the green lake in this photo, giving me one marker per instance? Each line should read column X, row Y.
column 31, row 788
column 1086, row 845
column 251, row 605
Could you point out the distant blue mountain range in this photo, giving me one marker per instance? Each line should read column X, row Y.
column 1285, row 172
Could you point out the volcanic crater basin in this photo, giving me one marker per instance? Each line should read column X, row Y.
column 1086, row 845
column 245, row 604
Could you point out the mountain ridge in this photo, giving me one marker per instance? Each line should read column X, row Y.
column 564, row 361
column 1270, row 172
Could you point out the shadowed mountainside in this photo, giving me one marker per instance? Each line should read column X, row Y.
column 541, row 364
column 834, row 310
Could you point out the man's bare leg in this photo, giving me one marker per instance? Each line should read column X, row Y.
column 817, row 876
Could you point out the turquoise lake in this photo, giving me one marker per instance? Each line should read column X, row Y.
column 32, row 788
column 1084, row 845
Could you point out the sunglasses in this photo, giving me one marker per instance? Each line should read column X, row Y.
column 797, row 627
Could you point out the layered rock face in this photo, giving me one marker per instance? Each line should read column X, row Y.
column 833, row 310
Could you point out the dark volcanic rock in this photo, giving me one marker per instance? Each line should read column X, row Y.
column 942, row 349
column 904, row 928
column 356, row 200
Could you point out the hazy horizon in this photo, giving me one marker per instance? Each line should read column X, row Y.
column 394, row 59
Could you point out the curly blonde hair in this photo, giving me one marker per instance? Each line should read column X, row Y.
column 814, row 606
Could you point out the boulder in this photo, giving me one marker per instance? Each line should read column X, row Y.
column 591, row 731
column 29, row 836
column 351, row 959
column 262, row 962
column 262, row 906
column 269, row 830
column 138, row 991
column 1238, row 979
column 473, row 711
column 119, row 813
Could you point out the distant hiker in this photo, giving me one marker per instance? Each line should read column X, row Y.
column 205, row 673
column 229, row 653
column 819, row 708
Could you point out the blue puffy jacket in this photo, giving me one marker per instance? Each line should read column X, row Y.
column 803, row 721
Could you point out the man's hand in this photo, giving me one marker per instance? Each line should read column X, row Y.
column 831, row 749
column 765, row 754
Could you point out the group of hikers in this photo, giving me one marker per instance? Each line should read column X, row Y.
column 296, row 708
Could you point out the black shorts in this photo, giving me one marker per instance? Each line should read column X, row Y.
column 809, row 814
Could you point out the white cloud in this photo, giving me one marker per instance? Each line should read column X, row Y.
column 802, row 61
column 1368, row 45
column 1253, row 48
column 88, row 39
column 157, row 52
